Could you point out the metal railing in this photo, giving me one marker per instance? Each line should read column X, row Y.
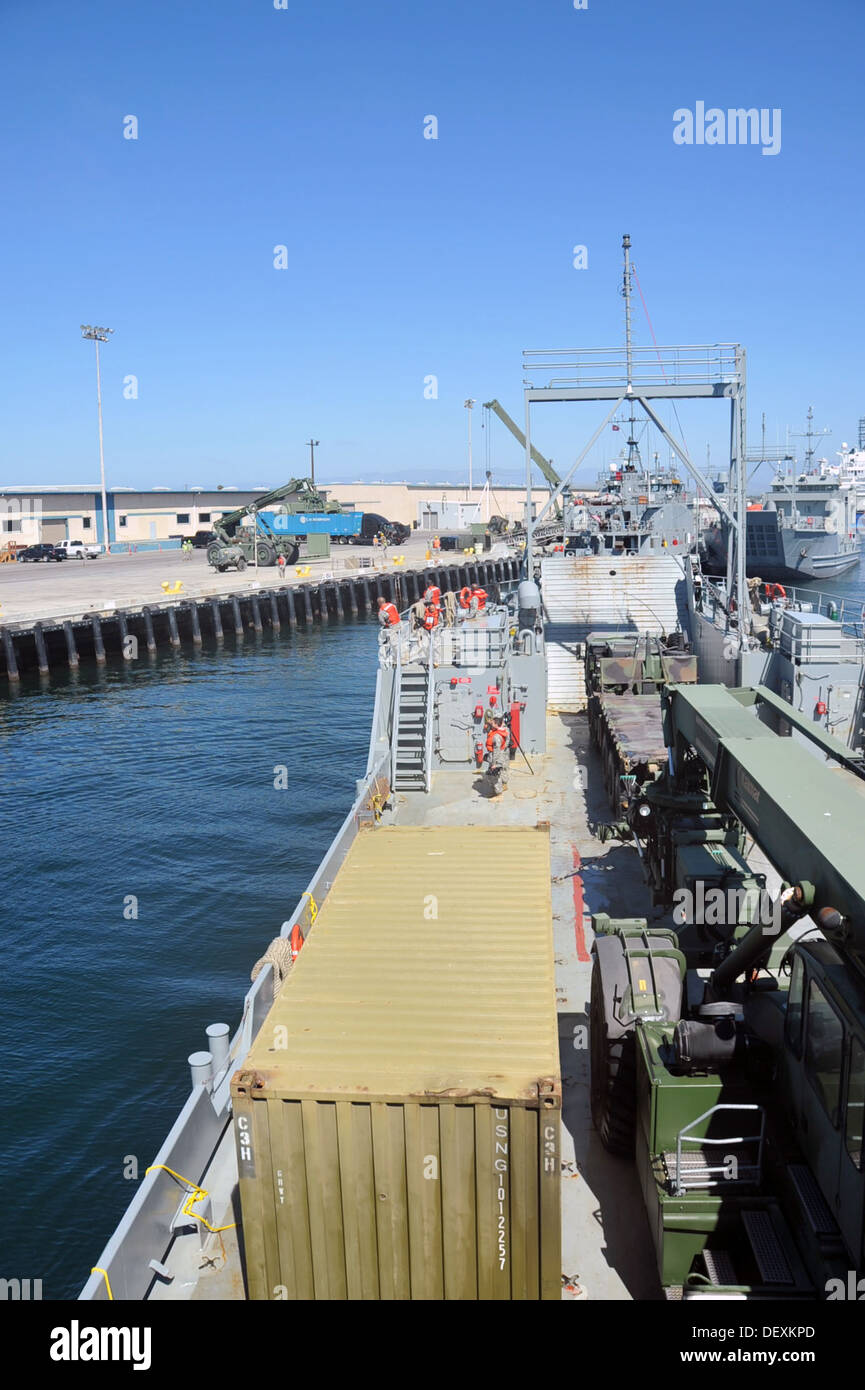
column 395, row 704
column 683, row 1137
column 848, row 613
column 428, row 717
column 680, row 365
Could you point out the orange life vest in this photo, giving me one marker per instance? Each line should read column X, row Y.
column 433, row 595
column 390, row 614
column 498, row 731
column 430, row 617
column 481, row 596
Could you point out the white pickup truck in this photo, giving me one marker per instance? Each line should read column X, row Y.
column 79, row 550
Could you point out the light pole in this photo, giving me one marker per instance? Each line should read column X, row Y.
column 468, row 406
column 195, row 490
column 313, row 445
column 100, row 335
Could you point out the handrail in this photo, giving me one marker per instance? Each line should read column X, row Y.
column 798, row 599
column 430, row 701
column 395, row 703
column 684, row 1137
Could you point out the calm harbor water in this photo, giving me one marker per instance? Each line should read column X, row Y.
column 153, row 780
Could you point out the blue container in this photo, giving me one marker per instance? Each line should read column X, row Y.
column 313, row 523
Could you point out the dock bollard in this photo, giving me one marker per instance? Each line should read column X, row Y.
column 200, row 1068
column 217, row 1037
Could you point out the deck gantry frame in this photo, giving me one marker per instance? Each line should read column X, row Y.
column 636, row 376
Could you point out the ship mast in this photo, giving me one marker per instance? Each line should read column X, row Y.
column 633, row 460
column 626, row 291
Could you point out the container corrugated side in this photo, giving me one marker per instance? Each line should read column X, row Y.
column 398, row 1116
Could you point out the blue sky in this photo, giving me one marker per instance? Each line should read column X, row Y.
column 409, row 257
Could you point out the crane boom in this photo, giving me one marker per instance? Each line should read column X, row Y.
column 304, row 488
column 543, row 464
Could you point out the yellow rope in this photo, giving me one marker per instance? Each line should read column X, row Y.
column 98, row 1270
column 313, row 910
column 196, row 1194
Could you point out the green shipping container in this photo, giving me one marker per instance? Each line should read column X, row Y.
column 397, row 1119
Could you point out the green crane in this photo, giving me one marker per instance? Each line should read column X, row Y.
column 228, row 548
column 728, row 1047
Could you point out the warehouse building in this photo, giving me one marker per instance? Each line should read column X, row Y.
column 157, row 517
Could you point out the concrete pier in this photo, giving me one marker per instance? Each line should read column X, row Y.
column 48, row 642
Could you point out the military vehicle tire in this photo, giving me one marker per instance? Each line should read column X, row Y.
column 266, row 554
column 240, row 563
column 212, row 553
column 613, row 1077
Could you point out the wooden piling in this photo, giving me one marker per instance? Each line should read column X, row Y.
column 71, row 649
column 11, row 659
column 41, row 653
column 148, row 628
column 123, row 629
column 98, row 644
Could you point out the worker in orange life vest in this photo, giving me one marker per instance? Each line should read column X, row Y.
column 433, row 594
column 498, row 741
column 430, row 617
column 387, row 614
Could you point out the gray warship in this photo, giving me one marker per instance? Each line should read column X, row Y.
column 804, row 529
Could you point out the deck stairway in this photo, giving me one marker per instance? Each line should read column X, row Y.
column 411, row 729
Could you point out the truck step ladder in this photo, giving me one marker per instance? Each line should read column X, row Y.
column 719, row 1267
column 812, row 1201
column 768, row 1250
